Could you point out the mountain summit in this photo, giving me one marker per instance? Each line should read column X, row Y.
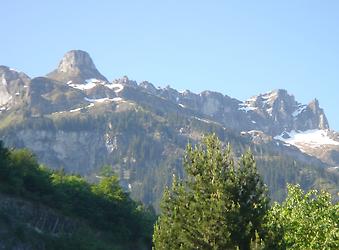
column 285, row 113
column 76, row 66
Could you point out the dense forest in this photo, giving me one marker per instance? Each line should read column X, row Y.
column 100, row 216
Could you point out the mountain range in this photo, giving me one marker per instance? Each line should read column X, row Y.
column 74, row 118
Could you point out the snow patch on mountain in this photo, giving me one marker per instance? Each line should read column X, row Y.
column 92, row 103
column 79, row 109
column 299, row 110
column 91, row 83
column 206, row 121
column 314, row 138
column 86, row 86
column 116, row 99
column 117, row 87
column 75, row 110
column 245, row 107
column 269, row 97
column 202, row 120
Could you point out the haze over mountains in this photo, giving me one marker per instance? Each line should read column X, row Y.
column 76, row 119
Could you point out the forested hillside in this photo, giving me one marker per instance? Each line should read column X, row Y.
column 45, row 209
column 145, row 150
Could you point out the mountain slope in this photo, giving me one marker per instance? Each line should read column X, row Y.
column 75, row 119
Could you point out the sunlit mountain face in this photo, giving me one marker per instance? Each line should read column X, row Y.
column 74, row 118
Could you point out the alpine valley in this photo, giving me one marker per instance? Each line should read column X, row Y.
column 74, row 118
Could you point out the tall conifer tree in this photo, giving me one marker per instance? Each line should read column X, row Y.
column 201, row 211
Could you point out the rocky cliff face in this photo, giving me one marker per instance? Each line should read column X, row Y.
column 76, row 66
column 78, row 151
column 13, row 87
column 277, row 111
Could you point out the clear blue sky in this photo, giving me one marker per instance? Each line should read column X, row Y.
column 239, row 48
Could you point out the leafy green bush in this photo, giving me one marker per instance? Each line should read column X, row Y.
column 303, row 221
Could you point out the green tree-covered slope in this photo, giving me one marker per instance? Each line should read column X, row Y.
column 45, row 209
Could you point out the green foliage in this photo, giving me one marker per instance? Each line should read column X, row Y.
column 4, row 155
column 109, row 188
column 106, row 171
column 251, row 196
column 103, row 206
column 22, row 175
column 303, row 221
column 219, row 206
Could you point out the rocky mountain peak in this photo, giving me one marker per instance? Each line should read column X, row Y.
column 76, row 66
column 148, row 87
column 319, row 114
column 280, row 95
column 283, row 112
column 273, row 102
column 281, row 92
column 13, row 86
column 76, row 59
column 314, row 105
column 125, row 81
column 11, row 74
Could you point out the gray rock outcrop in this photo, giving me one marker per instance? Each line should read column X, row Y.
column 76, row 66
